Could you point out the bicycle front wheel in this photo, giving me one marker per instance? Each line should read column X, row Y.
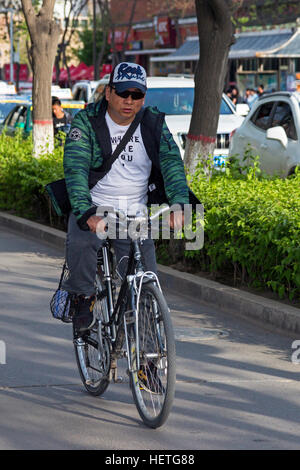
column 153, row 379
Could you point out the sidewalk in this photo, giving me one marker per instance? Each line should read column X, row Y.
column 226, row 298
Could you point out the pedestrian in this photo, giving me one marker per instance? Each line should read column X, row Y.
column 250, row 96
column 61, row 118
column 260, row 90
column 229, row 93
column 236, row 98
column 149, row 164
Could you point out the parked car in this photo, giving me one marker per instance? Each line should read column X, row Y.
column 7, row 103
column 272, row 129
column 61, row 93
column 20, row 116
column 99, row 88
column 83, row 90
column 175, row 97
column 7, row 88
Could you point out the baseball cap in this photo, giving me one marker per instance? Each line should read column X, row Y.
column 128, row 75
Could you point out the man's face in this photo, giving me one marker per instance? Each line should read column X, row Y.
column 57, row 110
column 123, row 110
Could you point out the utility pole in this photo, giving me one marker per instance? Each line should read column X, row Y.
column 94, row 41
column 11, row 44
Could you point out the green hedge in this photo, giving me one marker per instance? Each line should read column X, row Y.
column 252, row 223
column 23, row 179
column 252, row 227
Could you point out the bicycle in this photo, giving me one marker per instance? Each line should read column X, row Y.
column 136, row 325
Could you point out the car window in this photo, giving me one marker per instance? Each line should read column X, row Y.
column 5, row 108
column 225, row 108
column 13, row 116
column 262, row 117
column 82, row 95
column 171, row 100
column 176, row 101
column 76, row 94
column 21, row 119
column 283, row 117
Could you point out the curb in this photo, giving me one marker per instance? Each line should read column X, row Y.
column 226, row 298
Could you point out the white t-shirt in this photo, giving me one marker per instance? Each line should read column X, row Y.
column 127, row 181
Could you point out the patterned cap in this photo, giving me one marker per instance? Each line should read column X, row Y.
column 128, row 75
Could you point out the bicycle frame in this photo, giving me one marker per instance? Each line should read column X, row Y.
column 124, row 312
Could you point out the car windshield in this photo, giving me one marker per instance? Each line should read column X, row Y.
column 5, row 108
column 176, row 101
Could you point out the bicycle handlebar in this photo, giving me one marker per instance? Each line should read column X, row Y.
column 142, row 217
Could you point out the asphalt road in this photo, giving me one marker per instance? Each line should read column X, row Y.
column 237, row 387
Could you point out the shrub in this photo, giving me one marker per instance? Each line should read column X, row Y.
column 23, row 178
column 251, row 228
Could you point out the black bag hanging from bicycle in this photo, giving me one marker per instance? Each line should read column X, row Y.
column 60, row 304
column 57, row 190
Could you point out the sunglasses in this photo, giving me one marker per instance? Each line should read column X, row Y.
column 135, row 95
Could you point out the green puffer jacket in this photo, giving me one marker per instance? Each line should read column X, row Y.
column 83, row 155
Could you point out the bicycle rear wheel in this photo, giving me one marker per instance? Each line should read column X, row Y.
column 93, row 351
column 153, row 382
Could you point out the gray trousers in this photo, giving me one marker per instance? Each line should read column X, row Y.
column 81, row 257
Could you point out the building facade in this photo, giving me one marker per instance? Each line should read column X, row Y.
column 165, row 40
column 145, row 29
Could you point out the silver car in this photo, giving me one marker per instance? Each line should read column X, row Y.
column 272, row 131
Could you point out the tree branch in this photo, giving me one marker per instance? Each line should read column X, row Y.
column 29, row 14
column 221, row 11
column 129, row 25
column 47, row 9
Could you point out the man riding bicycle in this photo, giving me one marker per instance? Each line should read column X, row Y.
column 149, row 169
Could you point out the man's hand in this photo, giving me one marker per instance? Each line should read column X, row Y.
column 176, row 220
column 96, row 223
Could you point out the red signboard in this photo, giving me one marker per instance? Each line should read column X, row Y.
column 23, row 72
column 165, row 31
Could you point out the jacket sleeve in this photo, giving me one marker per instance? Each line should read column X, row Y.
column 172, row 169
column 76, row 162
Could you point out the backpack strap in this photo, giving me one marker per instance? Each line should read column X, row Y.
column 108, row 157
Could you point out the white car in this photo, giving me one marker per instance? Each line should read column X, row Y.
column 272, row 131
column 174, row 96
column 86, row 90
column 83, row 90
column 99, row 88
column 61, row 93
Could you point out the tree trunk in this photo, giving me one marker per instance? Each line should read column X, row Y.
column 215, row 38
column 44, row 33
